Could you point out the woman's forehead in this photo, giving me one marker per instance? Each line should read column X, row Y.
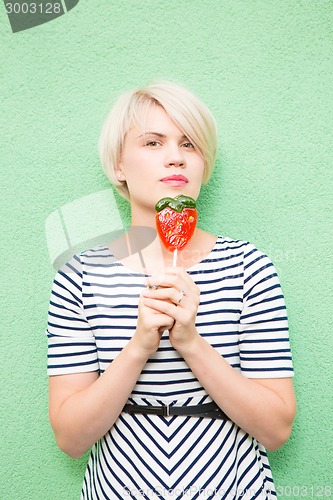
column 153, row 119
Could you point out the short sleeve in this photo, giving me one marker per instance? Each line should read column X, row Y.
column 264, row 337
column 71, row 343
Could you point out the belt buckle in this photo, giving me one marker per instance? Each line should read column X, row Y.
column 166, row 410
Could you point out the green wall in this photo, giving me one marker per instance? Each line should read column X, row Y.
column 264, row 67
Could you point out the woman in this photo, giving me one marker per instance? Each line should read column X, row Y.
column 178, row 377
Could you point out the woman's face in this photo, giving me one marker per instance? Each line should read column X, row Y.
column 159, row 161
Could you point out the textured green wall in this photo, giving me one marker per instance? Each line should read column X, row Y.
column 265, row 69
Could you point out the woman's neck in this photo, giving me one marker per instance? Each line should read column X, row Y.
column 141, row 250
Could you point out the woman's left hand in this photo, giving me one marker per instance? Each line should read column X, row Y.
column 174, row 293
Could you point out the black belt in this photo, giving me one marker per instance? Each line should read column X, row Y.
column 208, row 410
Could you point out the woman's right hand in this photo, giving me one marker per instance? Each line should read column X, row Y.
column 150, row 327
column 84, row 406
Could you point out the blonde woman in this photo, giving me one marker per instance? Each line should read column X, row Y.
column 178, row 378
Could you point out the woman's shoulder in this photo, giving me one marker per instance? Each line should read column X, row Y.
column 228, row 244
column 95, row 256
column 226, row 247
column 96, row 252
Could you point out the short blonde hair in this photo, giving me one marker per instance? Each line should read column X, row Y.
column 190, row 115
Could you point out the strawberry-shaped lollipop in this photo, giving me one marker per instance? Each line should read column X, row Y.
column 176, row 219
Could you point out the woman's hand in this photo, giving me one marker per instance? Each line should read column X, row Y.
column 175, row 295
column 150, row 327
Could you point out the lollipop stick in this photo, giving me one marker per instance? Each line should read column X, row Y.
column 175, row 252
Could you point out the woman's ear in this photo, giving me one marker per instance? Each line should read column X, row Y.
column 120, row 175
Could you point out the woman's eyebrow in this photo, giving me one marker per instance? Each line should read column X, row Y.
column 157, row 134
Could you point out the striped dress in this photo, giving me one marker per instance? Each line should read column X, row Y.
column 242, row 314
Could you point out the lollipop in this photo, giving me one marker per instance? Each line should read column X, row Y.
column 176, row 219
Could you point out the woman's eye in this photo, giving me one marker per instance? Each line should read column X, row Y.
column 152, row 143
column 187, row 145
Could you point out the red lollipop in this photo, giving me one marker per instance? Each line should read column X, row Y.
column 176, row 219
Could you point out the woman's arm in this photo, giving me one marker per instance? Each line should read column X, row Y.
column 265, row 408
column 83, row 407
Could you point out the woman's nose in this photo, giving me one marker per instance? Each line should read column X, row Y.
column 174, row 158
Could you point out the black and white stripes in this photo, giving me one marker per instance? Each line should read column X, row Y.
column 93, row 314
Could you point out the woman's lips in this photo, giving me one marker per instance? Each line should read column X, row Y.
column 175, row 180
